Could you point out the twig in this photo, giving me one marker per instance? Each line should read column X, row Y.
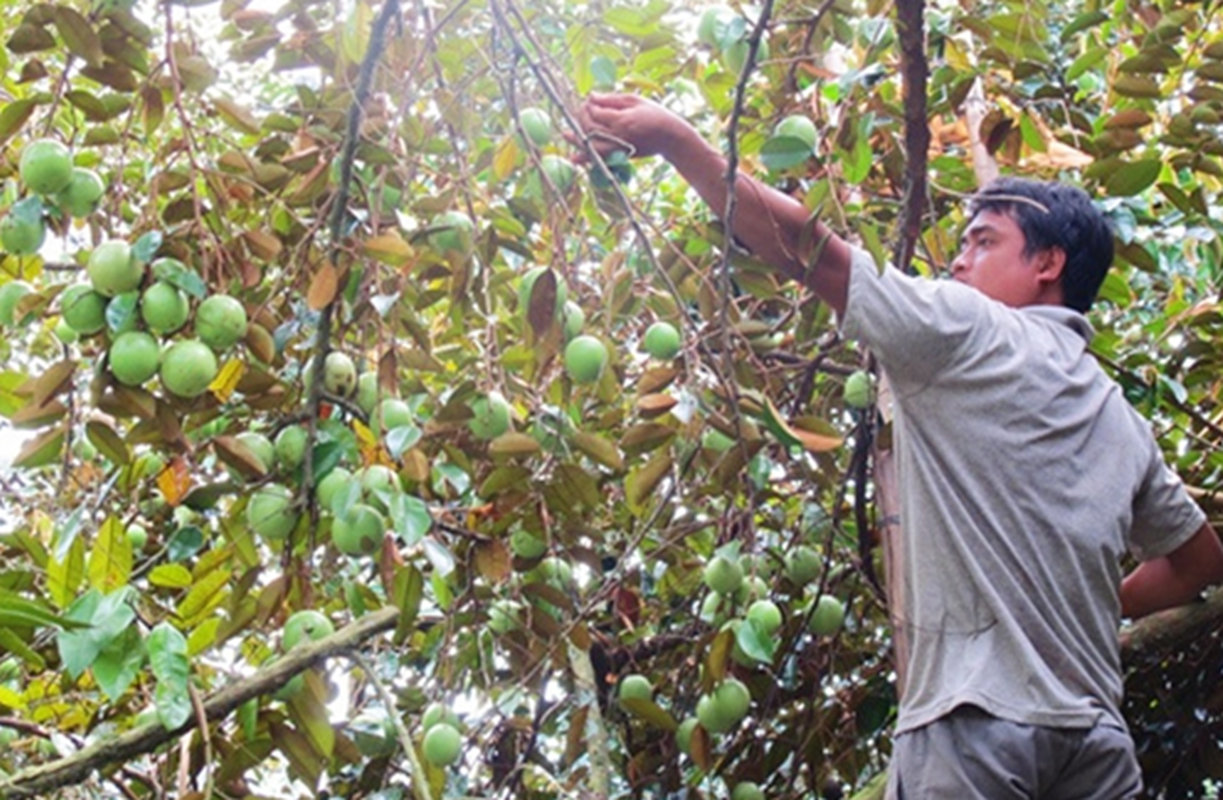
column 420, row 780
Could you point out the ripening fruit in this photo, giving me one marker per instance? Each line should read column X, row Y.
column 585, row 358
column 220, row 322
column 803, row 565
column 537, row 125
column 134, row 357
column 721, row 710
column 261, row 448
column 360, row 531
column 113, row 268
column 305, row 626
column 83, row 309
column 10, row 295
column 290, row 446
column 339, row 374
column 746, row 790
column 442, row 744
column 723, row 575
column 858, row 389
column 766, row 615
column 490, row 416
column 662, row 341
column 636, row 687
column 525, row 544
column 827, row 617
column 22, row 236
column 797, row 126
column 164, row 308
column 457, row 233
column 187, row 368
column 81, row 196
column 270, row 512
column 46, row 166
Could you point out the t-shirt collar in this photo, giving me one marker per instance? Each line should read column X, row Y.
column 1062, row 315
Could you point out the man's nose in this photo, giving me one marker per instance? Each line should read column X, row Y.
column 958, row 264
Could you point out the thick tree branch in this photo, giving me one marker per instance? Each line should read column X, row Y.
column 911, row 30
column 1171, row 629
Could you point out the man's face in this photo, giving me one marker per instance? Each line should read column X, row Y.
column 992, row 260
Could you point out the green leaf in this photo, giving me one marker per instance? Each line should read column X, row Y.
column 146, row 247
column 176, row 273
column 66, row 573
column 649, row 711
column 755, row 643
column 13, row 116
column 81, row 39
column 119, row 663
column 168, row 660
column 110, row 562
column 603, row 71
column 121, row 311
column 21, row 612
column 1133, row 177
column 783, row 152
column 400, row 440
column 108, row 617
column 410, row 517
column 170, row 576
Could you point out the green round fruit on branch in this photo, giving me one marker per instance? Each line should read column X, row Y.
column 662, row 341
column 374, row 734
column 64, row 332
column 359, row 532
column 113, row 268
column 527, row 545
column 827, row 617
column 574, row 319
column 137, row 537
column 803, row 565
column 766, row 615
column 723, row 708
column 220, row 322
column 10, row 295
column 797, row 126
column 453, row 231
column 712, row 25
column 368, row 392
column 305, row 626
column 490, row 416
column 636, row 687
column 45, row 166
column 270, row 512
column 437, row 714
column 334, row 486
column 714, row 609
column 585, row 358
column 537, row 125
column 859, row 387
column 746, row 790
column 339, row 374
column 527, row 288
column 443, row 744
column 187, row 368
column 683, row 735
column 261, row 448
column 503, row 616
column 22, row 236
column 378, row 480
column 556, row 572
column 560, row 171
column 81, row 196
column 83, row 309
column 164, row 308
column 390, row 414
column 753, row 588
column 290, row 446
column 723, row 575
column 735, row 56
column 134, row 357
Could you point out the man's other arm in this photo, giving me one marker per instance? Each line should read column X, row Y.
column 1174, row 579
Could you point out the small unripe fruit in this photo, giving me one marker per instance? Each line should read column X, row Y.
column 560, row 171
column 113, row 269
column 585, row 358
column 490, row 416
column 858, row 389
column 377, row 479
column 339, row 374
column 723, row 575
column 45, row 166
column 525, row 544
column 187, row 368
column 735, row 56
column 713, row 21
column 746, row 790
column 21, row 236
column 457, row 233
column 360, row 531
column 368, row 392
column 305, row 626
column 81, row 196
column 503, row 616
column 291, row 446
column 220, row 322
column 64, row 332
column 83, row 309
column 803, row 565
column 827, row 617
column 334, row 486
column 724, row 707
column 753, row 588
column 391, row 413
column 636, row 687
column 766, row 615
column 137, row 537
column 164, row 308
column 556, row 572
column 10, row 295
column 537, row 125
column 662, row 341
column 261, row 448
column 270, row 512
column 436, row 714
column 443, row 744
column 797, row 126
column 683, row 735
column 574, row 319
column 134, row 358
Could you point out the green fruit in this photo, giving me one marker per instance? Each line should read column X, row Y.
column 585, row 358
column 46, row 166
column 305, row 626
column 390, row 414
column 662, row 341
column 113, row 269
column 527, row 287
column 333, row 486
column 291, row 446
column 339, row 374
column 746, row 790
column 22, row 236
column 574, row 319
column 827, row 617
column 560, row 171
column 525, row 544
column 270, row 512
column 134, row 357
column 359, row 532
column 765, row 615
column 454, row 232
column 711, row 28
column 556, row 572
column 187, row 368
column 537, row 125
column 803, row 565
column 491, row 416
column 443, row 744
column 368, row 392
column 683, row 735
column 636, row 687
column 713, row 439
column 83, row 309
column 81, row 196
column 436, row 714
column 713, row 609
column 858, row 389
column 797, row 126
column 735, row 56
column 378, row 481
column 220, row 322
column 64, row 332
column 503, row 616
column 261, row 448
column 11, row 294
column 723, row 575
column 725, row 707
column 374, row 734
column 551, row 429
column 753, row 588
column 164, row 308
column 138, row 537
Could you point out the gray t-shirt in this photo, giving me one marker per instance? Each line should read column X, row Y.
column 1025, row 476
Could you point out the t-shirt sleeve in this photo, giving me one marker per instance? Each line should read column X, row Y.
column 1165, row 517
column 914, row 325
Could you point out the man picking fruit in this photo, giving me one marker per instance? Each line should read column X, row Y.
column 1025, row 477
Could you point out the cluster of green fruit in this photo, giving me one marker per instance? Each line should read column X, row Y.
column 375, row 734
column 726, row 31
column 47, row 170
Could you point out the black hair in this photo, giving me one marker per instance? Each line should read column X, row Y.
column 1054, row 214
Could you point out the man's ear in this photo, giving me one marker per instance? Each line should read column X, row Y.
column 1050, row 264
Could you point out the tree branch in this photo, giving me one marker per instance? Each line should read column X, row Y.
column 911, row 30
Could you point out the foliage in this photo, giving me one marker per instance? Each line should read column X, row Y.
column 222, row 133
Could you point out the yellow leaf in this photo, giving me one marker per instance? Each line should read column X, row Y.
column 110, row 561
column 389, row 248
column 323, row 287
column 174, row 482
column 226, row 381
column 506, row 159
